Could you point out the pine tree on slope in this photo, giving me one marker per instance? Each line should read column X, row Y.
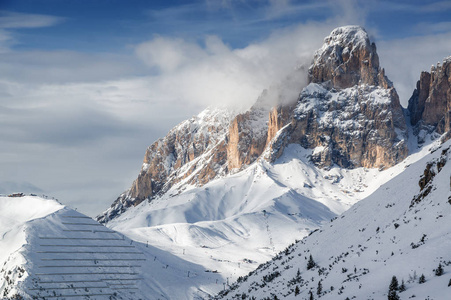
column 422, row 279
column 311, row 263
column 392, row 289
column 439, row 271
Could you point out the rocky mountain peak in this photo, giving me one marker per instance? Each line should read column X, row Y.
column 430, row 104
column 350, row 113
column 348, row 58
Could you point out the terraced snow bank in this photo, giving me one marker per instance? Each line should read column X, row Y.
column 53, row 252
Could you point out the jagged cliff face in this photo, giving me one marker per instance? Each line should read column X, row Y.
column 350, row 113
column 251, row 132
column 355, row 127
column 430, row 104
column 247, row 137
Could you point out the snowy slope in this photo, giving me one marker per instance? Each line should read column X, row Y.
column 233, row 224
column 402, row 230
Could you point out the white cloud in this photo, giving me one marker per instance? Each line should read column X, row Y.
column 216, row 74
column 13, row 20
column 22, row 20
column 169, row 54
column 67, row 66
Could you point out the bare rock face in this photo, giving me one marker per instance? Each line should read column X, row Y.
column 252, row 131
column 430, row 104
column 419, row 97
column 279, row 117
column 360, row 126
column 350, row 113
column 247, row 137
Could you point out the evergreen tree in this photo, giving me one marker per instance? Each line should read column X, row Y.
column 311, row 263
column 393, row 284
column 296, row 291
column 449, row 283
column 311, row 296
column 439, row 271
column 422, row 279
column 392, row 288
column 402, row 287
column 319, row 289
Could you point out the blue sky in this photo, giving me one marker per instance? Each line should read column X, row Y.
column 87, row 85
column 111, row 25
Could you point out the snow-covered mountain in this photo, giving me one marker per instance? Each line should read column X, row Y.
column 350, row 114
column 226, row 191
column 403, row 229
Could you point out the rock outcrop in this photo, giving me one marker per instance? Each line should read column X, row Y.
column 250, row 132
column 430, row 104
column 350, row 112
column 247, row 137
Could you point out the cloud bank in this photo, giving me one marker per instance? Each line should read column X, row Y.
column 212, row 73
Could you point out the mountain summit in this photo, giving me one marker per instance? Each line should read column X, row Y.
column 348, row 58
column 350, row 112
